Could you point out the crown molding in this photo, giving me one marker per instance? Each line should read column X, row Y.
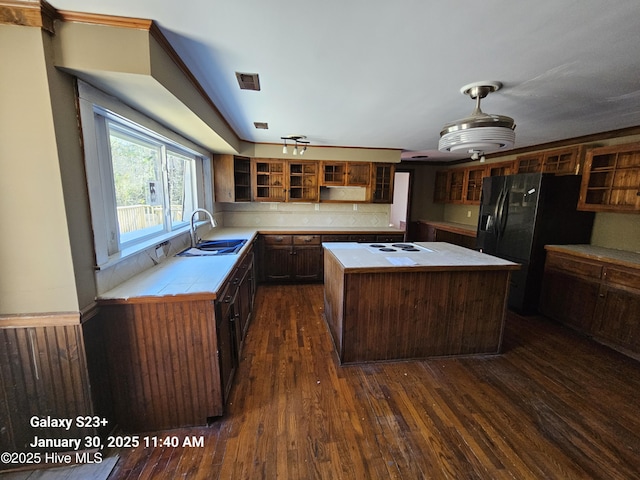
column 28, row 14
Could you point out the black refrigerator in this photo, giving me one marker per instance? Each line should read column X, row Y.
column 519, row 215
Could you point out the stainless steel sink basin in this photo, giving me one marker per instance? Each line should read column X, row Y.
column 214, row 247
column 218, row 244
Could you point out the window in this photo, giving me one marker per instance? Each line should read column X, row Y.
column 144, row 180
column 153, row 184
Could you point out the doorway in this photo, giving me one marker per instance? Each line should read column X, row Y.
column 401, row 200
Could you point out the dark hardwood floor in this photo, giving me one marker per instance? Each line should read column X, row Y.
column 554, row 405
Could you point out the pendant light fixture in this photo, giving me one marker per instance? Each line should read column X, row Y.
column 479, row 132
column 297, row 139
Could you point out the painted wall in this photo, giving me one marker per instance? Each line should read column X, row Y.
column 35, row 251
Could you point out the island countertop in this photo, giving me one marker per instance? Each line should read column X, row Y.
column 430, row 256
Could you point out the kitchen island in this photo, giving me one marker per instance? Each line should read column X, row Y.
column 402, row 301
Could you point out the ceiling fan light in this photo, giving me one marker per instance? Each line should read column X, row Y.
column 486, row 139
column 479, row 131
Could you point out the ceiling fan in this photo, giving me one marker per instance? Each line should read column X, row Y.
column 479, row 132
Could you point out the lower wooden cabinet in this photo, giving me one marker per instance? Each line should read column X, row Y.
column 286, row 258
column 570, row 290
column 291, row 258
column 596, row 296
column 164, row 368
column 440, row 232
column 171, row 360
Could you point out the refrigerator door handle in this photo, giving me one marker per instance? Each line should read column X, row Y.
column 496, row 215
column 502, row 213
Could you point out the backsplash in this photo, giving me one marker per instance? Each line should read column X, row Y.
column 254, row 214
column 259, row 214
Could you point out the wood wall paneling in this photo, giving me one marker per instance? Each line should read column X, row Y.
column 163, row 364
column 42, row 373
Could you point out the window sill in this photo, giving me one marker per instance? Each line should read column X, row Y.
column 141, row 247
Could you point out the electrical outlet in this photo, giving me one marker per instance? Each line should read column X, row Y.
column 355, row 207
column 317, row 207
column 159, row 252
column 468, row 213
column 273, row 206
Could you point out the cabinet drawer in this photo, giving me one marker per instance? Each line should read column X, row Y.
column 306, row 239
column 278, row 239
column 576, row 266
column 622, row 276
column 335, row 238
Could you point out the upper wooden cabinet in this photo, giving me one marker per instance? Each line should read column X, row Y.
column 285, row 181
column 240, row 179
column 345, row 174
column 611, row 179
column 382, row 182
column 502, row 168
column 303, row 182
column 561, row 161
column 269, row 182
column 459, row 185
column 473, row 184
column 358, row 174
column 232, row 178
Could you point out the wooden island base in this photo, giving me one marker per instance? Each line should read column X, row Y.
column 393, row 313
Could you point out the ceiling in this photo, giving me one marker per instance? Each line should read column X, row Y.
column 374, row 73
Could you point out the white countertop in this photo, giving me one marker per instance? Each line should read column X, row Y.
column 431, row 256
column 620, row 257
column 205, row 275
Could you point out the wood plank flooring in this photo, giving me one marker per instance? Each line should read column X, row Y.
column 554, row 405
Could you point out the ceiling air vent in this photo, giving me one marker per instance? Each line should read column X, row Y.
column 261, row 125
column 248, row 81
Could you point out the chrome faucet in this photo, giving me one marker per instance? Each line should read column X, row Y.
column 194, row 239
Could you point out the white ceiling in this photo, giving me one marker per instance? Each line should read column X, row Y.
column 376, row 73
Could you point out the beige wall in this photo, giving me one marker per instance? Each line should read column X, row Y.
column 35, row 252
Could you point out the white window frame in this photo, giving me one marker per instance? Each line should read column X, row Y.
column 95, row 107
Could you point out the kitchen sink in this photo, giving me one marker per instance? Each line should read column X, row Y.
column 214, row 247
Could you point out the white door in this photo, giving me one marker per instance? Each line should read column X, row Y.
column 400, row 204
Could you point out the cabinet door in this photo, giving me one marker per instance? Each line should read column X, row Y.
column 244, row 303
column 561, row 162
column 227, row 355
column 382, row 183
column 456, row 186
column 223, row 178
column 277, row 258
column 333, row 174
column 303, row 182
column 307, row 258
column 473, row 184
column 307, row 263
column 499, row 169
column 619, row 317
column 569, row 291
column 569, row 298
column 269, row 180
column 618, row 310
column 529, row 163
column 358, row 174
